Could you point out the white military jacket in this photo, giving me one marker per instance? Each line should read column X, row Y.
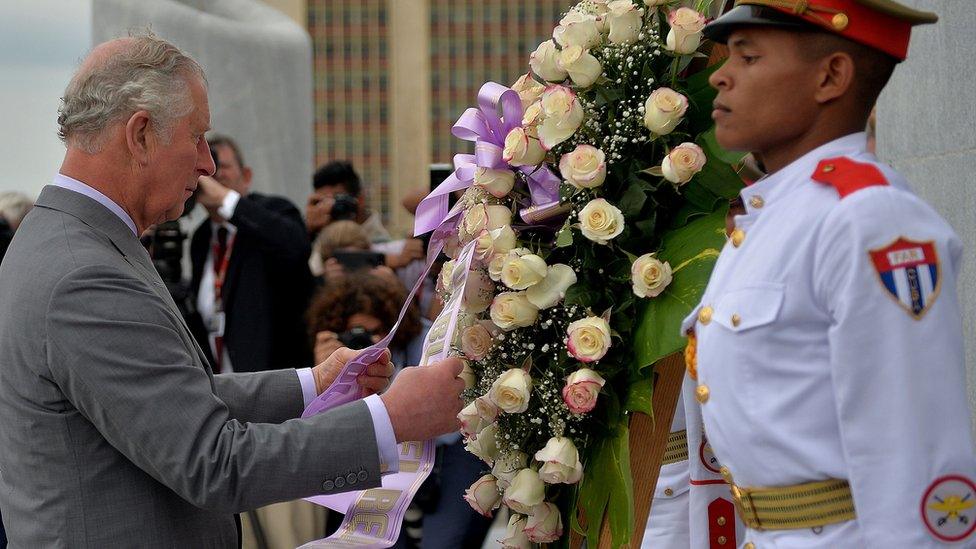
column 833, row 349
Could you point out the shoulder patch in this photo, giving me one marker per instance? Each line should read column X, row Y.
column 848, row 176
column 949, row 508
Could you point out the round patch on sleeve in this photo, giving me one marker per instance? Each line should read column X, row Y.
column 708, row 458
column 949, row 508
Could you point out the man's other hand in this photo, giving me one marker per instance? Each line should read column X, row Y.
column 413, row 249
column 424, row 402
column 210, row 193
column 318, row 211
column 374, row 379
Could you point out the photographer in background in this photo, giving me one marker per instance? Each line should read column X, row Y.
column 13, row 207
column 250, row 271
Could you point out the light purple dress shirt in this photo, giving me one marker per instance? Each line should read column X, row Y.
column 382, row 426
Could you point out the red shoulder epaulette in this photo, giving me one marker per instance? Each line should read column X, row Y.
column 848, row 176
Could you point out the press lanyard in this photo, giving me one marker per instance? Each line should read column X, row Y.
column 220, row 270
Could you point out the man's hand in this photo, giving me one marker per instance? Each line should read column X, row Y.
column 374, row 379
column 412, row 249
column 424, row 402
column 210, row 193
column 326, row 343
column 318, row 212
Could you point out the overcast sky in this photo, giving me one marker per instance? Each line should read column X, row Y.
column 41, row 43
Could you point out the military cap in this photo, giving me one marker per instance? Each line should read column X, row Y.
column 884, row 25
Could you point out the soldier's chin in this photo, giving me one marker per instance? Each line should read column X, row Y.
column 731, row 140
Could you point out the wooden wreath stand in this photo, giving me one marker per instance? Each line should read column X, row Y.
column 648, row 440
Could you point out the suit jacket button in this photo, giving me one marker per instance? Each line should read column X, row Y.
column 328, row 486
column 351, row 478
column 340, row 482
column 363, row 475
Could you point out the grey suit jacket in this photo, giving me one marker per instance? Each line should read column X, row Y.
column 113, row 430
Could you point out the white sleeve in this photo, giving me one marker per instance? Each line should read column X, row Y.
column 885, row 272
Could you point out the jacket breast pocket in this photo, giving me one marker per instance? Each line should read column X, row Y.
column 749, row 307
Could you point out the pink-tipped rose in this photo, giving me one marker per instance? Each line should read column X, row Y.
column 581, row 390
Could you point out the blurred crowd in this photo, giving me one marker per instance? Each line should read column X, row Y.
column 269, row 288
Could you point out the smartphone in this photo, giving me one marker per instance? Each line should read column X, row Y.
column 354, row 260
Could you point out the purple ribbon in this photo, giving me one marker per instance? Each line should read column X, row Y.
column 487, row 129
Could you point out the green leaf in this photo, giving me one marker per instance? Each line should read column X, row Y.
column 565, row 236
column 717, row 175
column 640, row 392
column 700, row 96
column 692, row 251
column 632, row 201
column 608, row 487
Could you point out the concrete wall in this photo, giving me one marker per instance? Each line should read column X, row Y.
column 927, row 129
column 259, row 65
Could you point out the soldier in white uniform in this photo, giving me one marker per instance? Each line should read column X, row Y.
column 829, row 360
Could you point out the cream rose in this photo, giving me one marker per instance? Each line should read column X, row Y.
column 588, row 338
column 552, row 289
column 485, row 444
column 483, row 496
column 625, row 21
column 498, row 183
column 484, row 216
column 664, row 110
column 601, row 221
column 533, row 115
column 564, row 114
column 577, row 29
column 545, row 525
column 507, row 465
column 446, row 278
column 515, row 537
column 525, row 492
column 686, row 30
column 528, row 89
column 477, row 340
column 477, row 415
column 479, row 290
column 682, row 163
column 560, row 462
column 523, row 147
column 649, row 276
column 467, row 374
column 524, row 271
column 584, row 168
column 582, row 389
column 543, row 62
column 511, row 391
column 495, row 265
column 583, row 68
column 510, row 310
column 495, row 241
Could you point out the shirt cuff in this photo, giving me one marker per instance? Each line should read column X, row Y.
column 227, row 207
column 307, row 379
column 385, row 439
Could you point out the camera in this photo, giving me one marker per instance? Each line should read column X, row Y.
column 344, row 208
column 356, row 338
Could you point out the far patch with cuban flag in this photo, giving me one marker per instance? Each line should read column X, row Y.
column 909, row 272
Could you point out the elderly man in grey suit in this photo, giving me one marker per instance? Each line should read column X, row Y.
column 114, row 431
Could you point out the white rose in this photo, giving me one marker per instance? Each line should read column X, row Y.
column 577, row 29
column 477, row 415
column 582, row 67
column 564, row 114
column 589, row 338
column 511, row 310
column 467, row 375
column 523, row 272
column 495, row 265
column 560, row 462
column 664, row 110
column 485, row 444
column 533, row 115
column 477, row 340
column 525, row 492
column 545, row 525
column 528, row 89
column 649, row 276
column 498, row 183
column 483, row 496
column 523, row 147
column 543, row 62
column 686, row 30
column 682, row 163
column 553, row 287
column 495, row 241
column 515, row 537
column 584, row 168
column 601, row 221
column 479, row 290
column 507, row 465
column 581, row 390
column 625, row 21
column 484, row 216
column 511, row 391
column 446, row 278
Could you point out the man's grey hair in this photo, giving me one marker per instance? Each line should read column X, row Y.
column 14, row 206
column 147, row 73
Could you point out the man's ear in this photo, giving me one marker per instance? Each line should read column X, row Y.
column 137, row 136
column 837, row 72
